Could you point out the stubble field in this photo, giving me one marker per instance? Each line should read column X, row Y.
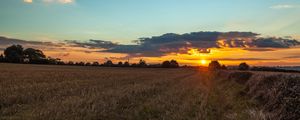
column 73, row 92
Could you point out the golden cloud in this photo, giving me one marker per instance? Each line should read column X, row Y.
column 28, row 1
column 52, row 1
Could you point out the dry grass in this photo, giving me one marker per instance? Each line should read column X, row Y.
column 276, row 94
column 68, row 92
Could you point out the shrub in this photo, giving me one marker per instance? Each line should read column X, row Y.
column 14, row 54
column 214, row 65
column 244, row 66
column 166, row 64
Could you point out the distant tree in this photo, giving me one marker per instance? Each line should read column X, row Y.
column 54, row 61
column 120, row 64
column 126, row 64
column 61, row 62
column 244, row 66
column 70, row 63
column 134, row 65
column 80, row 63
column 2, row 58
column 142, row 63
column 34, row 56
column 214, row 65
column 174, row 64
column 14, row 54
column 95, row 63
column 166, row 64
column 108, row 63
column 223, row 67
column 88, row 64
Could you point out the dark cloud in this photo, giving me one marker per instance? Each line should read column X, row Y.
column 181, row 43
column 259, row 49
column 92, row 44
column 4, row 41
column 157, row 46
column 274, row 42
column 164, row 44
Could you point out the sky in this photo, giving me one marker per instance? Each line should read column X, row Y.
column 105, row 29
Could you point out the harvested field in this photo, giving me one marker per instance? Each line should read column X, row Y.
column 71, row 92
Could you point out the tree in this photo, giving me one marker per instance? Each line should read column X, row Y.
column 244, row 66
column 134, row 65
column 88, row 64
column 54, row 61
column 80, row 63
column 2, row 58
column 166, row 64
column 142, row 63
column 108, row 63
column 120, row 64
column 70, row 63
column 34, row 55
column 214, row 65
column 223, row 67
column 95, row 64
column 174, row 64
column 14, row 54
column 126, row 64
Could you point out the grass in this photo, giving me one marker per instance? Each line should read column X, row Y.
column 70, row 92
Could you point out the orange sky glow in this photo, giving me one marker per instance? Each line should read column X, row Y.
column 227, row 56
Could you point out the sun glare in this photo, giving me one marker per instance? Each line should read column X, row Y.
column 203, row 62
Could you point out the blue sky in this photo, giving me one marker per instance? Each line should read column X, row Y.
column 126, row 20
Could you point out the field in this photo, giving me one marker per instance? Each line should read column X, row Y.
column 74, row 92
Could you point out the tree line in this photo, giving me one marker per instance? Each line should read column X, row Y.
column 17, row 54
column 215, row 65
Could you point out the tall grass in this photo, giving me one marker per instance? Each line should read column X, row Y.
column 277, row 94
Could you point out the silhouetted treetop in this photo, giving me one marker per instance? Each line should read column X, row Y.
column 170, row 64
column 34, row 55
column 14, row 54
column 142, row 63
column 214, row 65
column 108, row 63
column 244, row 66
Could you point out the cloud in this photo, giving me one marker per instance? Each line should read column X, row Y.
column 169, row 43
column 282, row 6
column 28, row 1
column 259, row 49
column 92, row 44
column 59, row 1
column 295, row 56
column 5, row 42
column 51, row 1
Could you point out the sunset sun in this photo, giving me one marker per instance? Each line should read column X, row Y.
column 203, row 62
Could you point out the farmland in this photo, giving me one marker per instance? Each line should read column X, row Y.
column 74, row 92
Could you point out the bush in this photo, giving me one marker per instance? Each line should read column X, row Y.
column 214, row 65
column 244, row 66
column 126, row 64
column 14, row 54
column 166, row 64
column 170, row 64
column 108, row 63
